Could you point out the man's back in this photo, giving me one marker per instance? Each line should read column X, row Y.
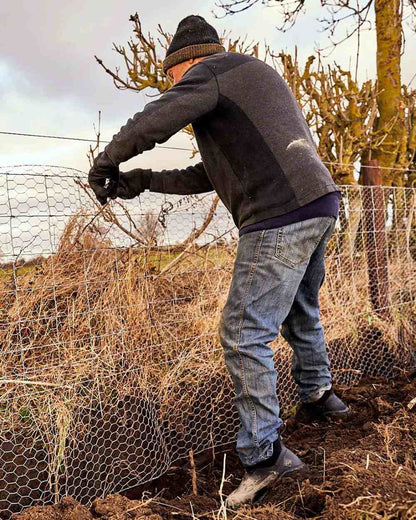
column 255, row 144
column 256, row 148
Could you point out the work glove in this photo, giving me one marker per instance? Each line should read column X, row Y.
column 133, row 182
column 104, row 178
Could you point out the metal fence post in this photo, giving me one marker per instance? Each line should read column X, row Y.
column 375, row 238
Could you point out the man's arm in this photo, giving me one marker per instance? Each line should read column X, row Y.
column 186, row 181
column 193, row 96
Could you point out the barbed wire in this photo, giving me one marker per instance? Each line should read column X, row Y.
column 333, row 163
column 67, row 138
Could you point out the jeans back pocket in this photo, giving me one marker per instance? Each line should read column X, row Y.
column 296, row 242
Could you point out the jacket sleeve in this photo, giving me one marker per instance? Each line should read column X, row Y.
column 192, row 97
column 186, row 181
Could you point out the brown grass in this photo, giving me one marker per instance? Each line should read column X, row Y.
column 93, row 323
column 90, row 313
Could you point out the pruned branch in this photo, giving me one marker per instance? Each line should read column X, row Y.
column 142, row 61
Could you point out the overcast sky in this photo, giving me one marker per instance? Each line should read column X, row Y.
column 51, row 84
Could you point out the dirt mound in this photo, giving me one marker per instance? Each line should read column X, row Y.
column 362, row 468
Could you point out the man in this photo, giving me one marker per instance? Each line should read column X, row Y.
column 258, row 155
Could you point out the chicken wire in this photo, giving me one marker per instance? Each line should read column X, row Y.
column 111, row 368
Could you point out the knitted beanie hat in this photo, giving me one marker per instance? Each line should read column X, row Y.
column 194, row 38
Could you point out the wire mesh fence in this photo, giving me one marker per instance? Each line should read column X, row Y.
column 111, row 368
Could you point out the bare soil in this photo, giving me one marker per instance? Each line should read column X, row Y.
column 360, row 469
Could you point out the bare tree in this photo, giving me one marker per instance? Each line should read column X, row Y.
column 395, row 105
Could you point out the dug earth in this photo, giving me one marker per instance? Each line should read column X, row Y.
column 362, row 468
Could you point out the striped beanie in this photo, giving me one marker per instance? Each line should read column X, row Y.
column 194, row 38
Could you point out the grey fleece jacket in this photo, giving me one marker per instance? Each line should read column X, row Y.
column 256, row 148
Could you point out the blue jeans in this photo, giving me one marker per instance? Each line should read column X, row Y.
column 276, row 280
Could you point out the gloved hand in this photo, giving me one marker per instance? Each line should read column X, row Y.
column 103, row 169
column 133, row 182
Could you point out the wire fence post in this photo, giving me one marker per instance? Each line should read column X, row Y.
column 375, row 242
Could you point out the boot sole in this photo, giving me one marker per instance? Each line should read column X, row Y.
column 340, row 413
column 298, row 473
column 308, row 419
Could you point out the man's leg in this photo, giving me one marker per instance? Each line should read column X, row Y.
column 303, row 330
column 269, row 267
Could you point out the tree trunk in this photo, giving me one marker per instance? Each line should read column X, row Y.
column 375, row 239
column 391, row 110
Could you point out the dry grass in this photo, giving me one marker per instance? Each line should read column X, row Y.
column 93, row 324
column 91, row 313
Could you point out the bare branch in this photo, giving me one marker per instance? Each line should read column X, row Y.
column 236, row 6
column 290, row 10
column 96, row 147
column 196, row 233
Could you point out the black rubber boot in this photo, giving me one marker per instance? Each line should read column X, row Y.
column 258, row 478
column 327, row 406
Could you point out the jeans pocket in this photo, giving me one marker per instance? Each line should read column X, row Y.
column 296, row 242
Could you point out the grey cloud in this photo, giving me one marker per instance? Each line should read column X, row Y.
column 52, row 45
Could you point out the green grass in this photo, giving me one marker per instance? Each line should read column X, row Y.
column 7, row 272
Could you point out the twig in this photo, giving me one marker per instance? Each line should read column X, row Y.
column 26, row 382
column 222, row 510
column 358, row 499
column 300, row 494
column 196, row 233
column 178, row 258
column 193, row 472
column 398, row 471
column 142, row 504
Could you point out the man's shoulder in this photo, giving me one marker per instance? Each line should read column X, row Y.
column 224, row 61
